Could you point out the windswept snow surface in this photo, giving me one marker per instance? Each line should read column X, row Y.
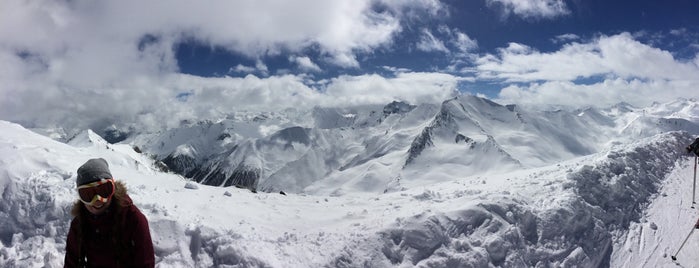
column 666, row 223
column 627, row 206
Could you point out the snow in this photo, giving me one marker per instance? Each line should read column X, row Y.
column 668, row 220
column 626, row 205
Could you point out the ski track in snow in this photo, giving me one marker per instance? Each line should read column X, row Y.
column 671, row 212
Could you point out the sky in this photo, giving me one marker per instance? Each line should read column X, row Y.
column 89, row 64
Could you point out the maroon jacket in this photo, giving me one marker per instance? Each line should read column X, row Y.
column 118, row 238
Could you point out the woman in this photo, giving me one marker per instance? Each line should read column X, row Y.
column 107, row 230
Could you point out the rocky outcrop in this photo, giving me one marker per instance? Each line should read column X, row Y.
column 397, row 107
column 180, row 163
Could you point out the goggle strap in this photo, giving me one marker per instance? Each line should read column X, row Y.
column 97, row 183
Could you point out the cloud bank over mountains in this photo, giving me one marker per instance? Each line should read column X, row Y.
column 79, row 63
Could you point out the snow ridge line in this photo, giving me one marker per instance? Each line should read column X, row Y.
column 617, row 189
column 620, row 186
column 505, row 232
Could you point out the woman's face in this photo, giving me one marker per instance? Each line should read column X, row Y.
column 98, row 207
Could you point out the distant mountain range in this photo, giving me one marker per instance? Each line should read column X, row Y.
column 329, row 150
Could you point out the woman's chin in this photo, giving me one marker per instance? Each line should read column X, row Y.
column 97, row 209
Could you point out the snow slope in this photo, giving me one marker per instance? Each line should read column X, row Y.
column 666, row 223
column 625, row 206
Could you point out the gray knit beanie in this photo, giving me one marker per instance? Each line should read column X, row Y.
column 93, row 170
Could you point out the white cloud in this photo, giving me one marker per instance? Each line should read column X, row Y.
column 464, row 42
column 345, row 60
column 260, row 67
column 602, row 94
column 305, row 63
column 463, row 52
column 617, row 68
column 531, row 9
column 415, row 8
column 429, row 43
column 618, row 55
column 215, row 97
column 461, row 41
column 678, row 32
column 564, row 38
column 85, row 63
column 80, row 35
column 411, row 87
column 242, row 69
column 396, row 70
column 153, row 102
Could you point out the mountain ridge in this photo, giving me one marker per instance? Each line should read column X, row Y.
column 473, row 134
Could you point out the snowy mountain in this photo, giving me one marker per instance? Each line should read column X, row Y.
column 465, row 183
column 334, row 150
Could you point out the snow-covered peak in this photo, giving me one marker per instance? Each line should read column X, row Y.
column 87, row 138
column 276, row 151
column 623, row 107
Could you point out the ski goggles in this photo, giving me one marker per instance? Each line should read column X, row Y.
column 101, row 190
